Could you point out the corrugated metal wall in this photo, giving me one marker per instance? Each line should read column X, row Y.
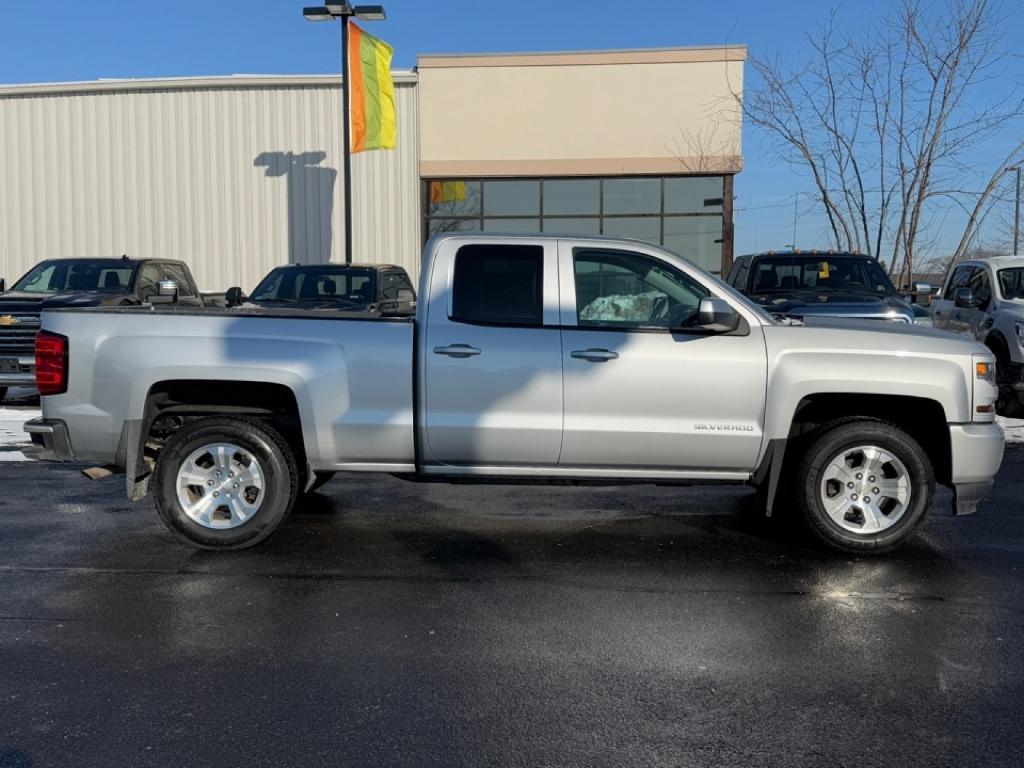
column 233, row 176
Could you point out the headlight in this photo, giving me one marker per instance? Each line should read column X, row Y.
column 923, row 320
column 1019, row 329
column 985, row 371
column 985, row 391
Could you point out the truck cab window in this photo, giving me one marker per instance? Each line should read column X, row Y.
column 981, row 287
column 616, row 289
column 149, row 281
column 177, row 273
column 961, row 277
column 499, row 285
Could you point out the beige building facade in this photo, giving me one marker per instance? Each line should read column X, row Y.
column 239, row 174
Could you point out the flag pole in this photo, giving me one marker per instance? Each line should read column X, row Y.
column 347, row 142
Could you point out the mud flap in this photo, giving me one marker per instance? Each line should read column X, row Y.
column 766, row 476
column 130, row 456
column 967, row 496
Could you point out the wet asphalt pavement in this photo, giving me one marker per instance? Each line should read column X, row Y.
column 395, row 624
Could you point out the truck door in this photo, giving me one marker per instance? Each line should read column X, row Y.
column 945, row 314
column 491, row 355
column 640, row 395
column 981, row 287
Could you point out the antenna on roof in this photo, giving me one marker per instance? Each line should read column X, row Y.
column 124, row 257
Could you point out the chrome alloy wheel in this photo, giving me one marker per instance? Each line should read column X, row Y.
column 865, row 489
column 220, row 485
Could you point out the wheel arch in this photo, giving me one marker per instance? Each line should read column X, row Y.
column 171, row 403
column 1000, row 346
column 922, row 418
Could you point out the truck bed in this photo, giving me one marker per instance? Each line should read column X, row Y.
column 356, row 368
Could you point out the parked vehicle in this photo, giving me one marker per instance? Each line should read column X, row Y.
column 383, row 289
column 531, row 359
column 76, row 283
column 803, row 284
column 985, row 299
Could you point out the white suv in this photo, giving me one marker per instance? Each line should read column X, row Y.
column 985, row 299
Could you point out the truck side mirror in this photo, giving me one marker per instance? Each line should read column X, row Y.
column 964, row 298
column 166, row 292
column 234, row 296
column 717, row 315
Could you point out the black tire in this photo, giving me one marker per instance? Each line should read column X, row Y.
column 828, row 442
column 320, row 479
column 1008, row 402
column 275, row 460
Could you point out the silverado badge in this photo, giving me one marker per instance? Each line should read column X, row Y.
column 6, row 320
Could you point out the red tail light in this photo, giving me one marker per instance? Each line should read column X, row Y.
column 51, row 363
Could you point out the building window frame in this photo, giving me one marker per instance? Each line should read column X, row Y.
column 723, row 214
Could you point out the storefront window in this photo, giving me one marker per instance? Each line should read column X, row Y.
column 632, row 196
column 512, row 198
column 572, row 197
column 681, row 213
column 698, row 238
column 694, row 194
column 636, row 227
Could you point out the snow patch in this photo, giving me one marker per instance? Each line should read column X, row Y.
column 13, row 437
column 1013, row 428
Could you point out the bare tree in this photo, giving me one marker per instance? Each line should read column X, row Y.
column 885, row 123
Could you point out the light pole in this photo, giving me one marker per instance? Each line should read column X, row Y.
column 1016, row 213
column 344, row 12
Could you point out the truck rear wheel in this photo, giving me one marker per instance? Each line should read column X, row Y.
column 225, row 483
column 864, row 485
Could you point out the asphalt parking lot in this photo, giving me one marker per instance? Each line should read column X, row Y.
column 395, row 624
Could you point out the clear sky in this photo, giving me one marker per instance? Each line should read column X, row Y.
column 60, row 40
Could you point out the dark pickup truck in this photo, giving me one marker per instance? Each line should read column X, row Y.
column 375, row 289
column 813, row 284
column 85, row 282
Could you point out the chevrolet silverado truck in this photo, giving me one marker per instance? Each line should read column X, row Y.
column 76, row 283
column 812, row 284
column 530, row 359
column 984, row 298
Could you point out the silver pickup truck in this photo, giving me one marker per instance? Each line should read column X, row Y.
column 530, row 359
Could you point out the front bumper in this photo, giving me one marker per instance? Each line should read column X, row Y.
column 976, row 453
column 25, row 376
column 50, row 440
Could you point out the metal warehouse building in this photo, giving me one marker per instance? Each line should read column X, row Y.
column 239, row 174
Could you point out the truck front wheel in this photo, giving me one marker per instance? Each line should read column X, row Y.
column 864, row 485
column 225, row 483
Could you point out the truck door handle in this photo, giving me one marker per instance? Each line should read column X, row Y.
column 457, row 350
column 594, row 355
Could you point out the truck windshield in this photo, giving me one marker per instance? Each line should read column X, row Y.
column 1011, row 283
column 817, row 272
column 61, row 275
column 345, row 285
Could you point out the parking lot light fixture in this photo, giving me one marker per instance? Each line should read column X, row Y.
column 369, row 12
column 317, row 13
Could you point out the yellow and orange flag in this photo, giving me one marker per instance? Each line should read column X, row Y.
column 371, row 92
